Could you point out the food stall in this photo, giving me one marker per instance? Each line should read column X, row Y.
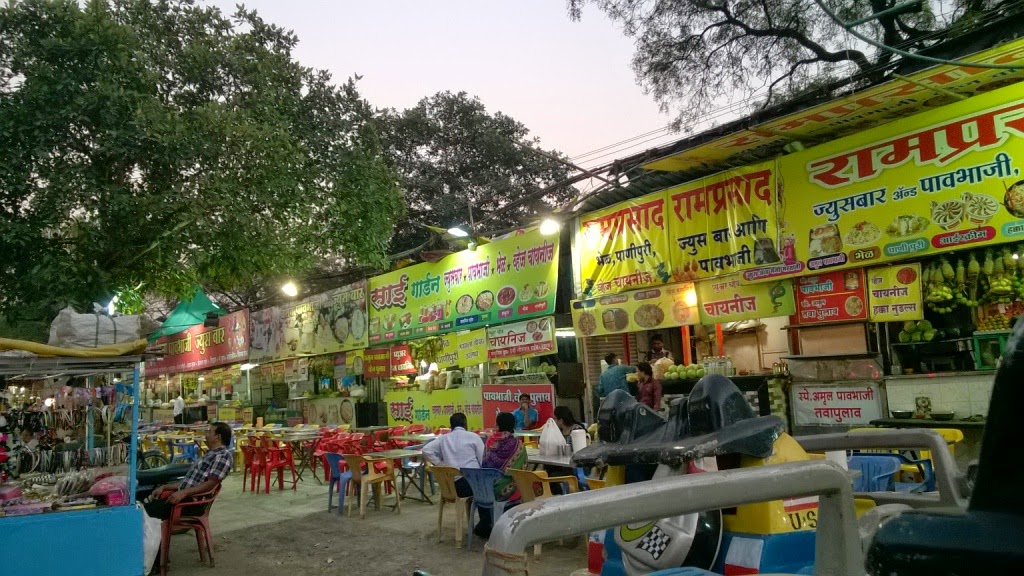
column 444, row 314
column 80, row 497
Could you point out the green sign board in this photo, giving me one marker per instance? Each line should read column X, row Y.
column 503, row 281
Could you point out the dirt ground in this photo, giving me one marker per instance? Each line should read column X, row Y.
column 289, row 532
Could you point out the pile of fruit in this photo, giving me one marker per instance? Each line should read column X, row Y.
column 681, row 372
column 920, row 331
column 994, row 276
column 994, row 322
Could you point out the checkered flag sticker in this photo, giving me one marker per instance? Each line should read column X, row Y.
column 655, row 542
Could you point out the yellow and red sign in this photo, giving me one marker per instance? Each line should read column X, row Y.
column 521, row 339
column 729, row 300
column 894, row 293
column 648, row 309
column 945, row 180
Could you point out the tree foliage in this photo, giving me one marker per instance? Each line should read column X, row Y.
column 161, row 142
column 694, row 55
column 453, row 156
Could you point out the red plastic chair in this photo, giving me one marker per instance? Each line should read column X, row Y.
column 416, row 429
column 278, row 457
column 380, row 440
column 249, row 458
column 442, row 431
column 198, row 521
column 395, row 443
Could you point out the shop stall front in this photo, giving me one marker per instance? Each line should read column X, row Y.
column 75, row 491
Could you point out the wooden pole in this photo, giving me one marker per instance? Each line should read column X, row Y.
column 720, row 338
column 685, row 332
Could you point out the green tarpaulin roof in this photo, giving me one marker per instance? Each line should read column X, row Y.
column 188, row 313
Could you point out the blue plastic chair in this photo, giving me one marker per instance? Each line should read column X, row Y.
column 877, row 472
column 481, row 481
column 414, row 467
column 189, row 452
column 338, row 478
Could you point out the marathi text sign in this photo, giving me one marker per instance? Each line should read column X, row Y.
column 830, row 406
column 377, row 362
column 505, row 398
column 724, row 223
column 334, row 321
column 646, row 309
column 521, row 339
column 498, row 282
column 624, row 247
column 434, row 409
column 947, row 179
column 894, row 293
column 831, row 297
column 201, row 347
column 402, row 361
column 472, row 347
column 732, row 301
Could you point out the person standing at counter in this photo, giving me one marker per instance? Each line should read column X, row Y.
column 657, row 351
column 613, row 378
column 648, row 389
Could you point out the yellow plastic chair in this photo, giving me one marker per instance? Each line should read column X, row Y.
column 445, row 476
column 371, row 479
column 527, row 481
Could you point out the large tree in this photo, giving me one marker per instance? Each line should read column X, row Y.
column 455, row 158
column 153, row 144
column 696, row 55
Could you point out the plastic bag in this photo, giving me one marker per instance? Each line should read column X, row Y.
column 151, row 533
column 551, row 438
column 73, row 330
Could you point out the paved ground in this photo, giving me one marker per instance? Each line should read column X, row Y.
column 289, row 532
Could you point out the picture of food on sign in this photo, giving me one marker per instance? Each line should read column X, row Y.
column 764, row 252
column 851, row 280
column 531, row 326
column 615, row 319
column 680, row 312
column 587, row 324
column 357, row 366
column 825, row 241
column 406, row 320
column 948, row 215
column 541, row 291
column 538, row 336
column 485, row 300
column 526, row 293
column 374, row 325
column 1014, row 199
column 341, row 329
column 543, row 324
column 648, row 316
column 464, row 304
column 357, row 325
column 980, row 208
column 906, row 276
column 854, row 306
column 506, row 296
column 907, row 225
column 862, row 234
column 390, row 320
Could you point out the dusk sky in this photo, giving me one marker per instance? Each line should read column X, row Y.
column 569, row 82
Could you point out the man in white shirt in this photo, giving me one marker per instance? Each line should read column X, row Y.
column 458, row 449
column 179, row 409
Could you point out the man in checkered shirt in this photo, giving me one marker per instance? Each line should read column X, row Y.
column 202, row 477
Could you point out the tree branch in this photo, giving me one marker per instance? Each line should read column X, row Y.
column 788, row 74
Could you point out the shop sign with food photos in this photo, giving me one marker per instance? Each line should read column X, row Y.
column 333, row 321
column 662, row 307
column 729, row 300
column 831, row 297
column 894, row 293
column 521, row 339
column 503, row 281
column 934, row 182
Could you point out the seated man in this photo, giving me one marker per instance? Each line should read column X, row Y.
column 458, row 449
column 526, row 416
column 204, row 475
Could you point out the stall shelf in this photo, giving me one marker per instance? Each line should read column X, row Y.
column 94, row 542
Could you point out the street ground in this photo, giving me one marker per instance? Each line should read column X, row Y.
column 290, row 532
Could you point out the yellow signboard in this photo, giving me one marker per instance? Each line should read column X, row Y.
column 723, row 223
column 435, row 408
column 894, row 293
column 664, row 307
column 472, row 347
column 625, row 246
column 947, row 179
column 730, row 300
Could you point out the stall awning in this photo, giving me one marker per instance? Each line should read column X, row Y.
column 189, row 312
